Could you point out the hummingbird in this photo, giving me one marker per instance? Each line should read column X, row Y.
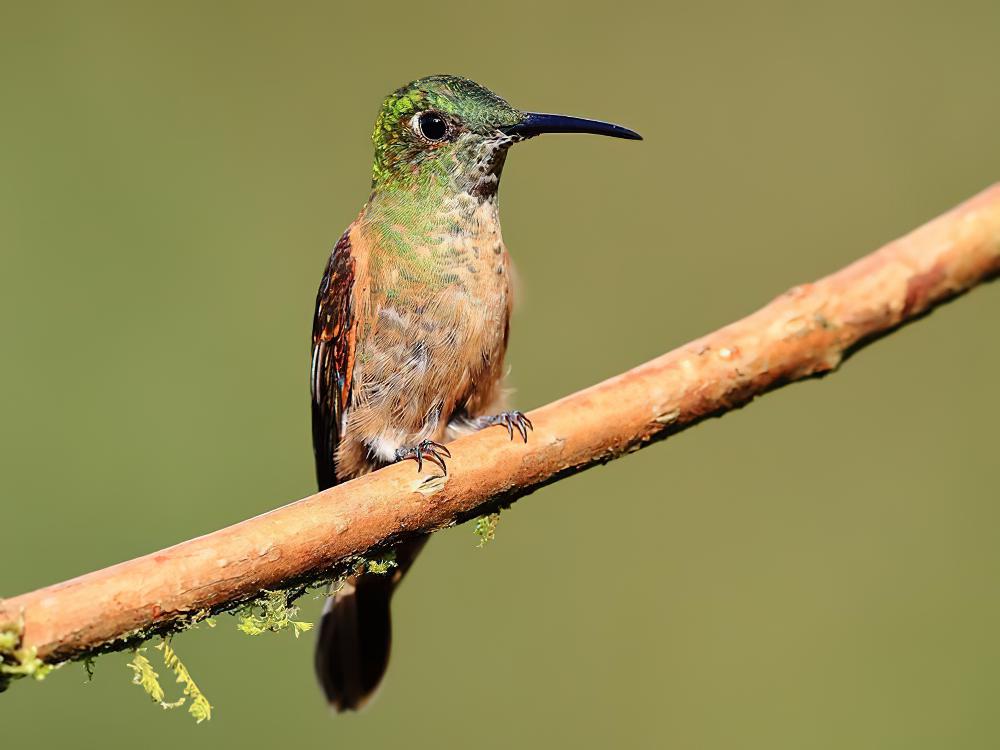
column 411, row 325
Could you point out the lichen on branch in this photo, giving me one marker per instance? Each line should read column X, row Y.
column 18, row 660
column 270, row 613
column 148, row 679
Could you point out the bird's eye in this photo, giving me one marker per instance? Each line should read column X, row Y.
column 430, row 125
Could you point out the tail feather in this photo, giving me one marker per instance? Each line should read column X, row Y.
column 355, row 634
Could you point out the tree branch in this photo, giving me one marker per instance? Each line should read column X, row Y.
column 806, row 331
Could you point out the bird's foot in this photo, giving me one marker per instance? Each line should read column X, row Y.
column 425, row 449
column 512, row 420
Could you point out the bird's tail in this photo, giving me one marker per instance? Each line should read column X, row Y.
column 355, row 634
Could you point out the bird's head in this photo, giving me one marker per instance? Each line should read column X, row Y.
column 446, row 131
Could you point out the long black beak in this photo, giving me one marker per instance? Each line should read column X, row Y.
column 536, row 123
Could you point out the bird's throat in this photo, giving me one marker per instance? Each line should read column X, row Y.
column 434, row 235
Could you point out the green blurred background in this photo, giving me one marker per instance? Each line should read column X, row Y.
column 816, row 571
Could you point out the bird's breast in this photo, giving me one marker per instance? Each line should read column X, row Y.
column 438, row 318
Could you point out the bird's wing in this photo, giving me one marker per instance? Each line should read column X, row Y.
column 333, row 344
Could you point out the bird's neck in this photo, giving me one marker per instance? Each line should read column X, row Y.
column 414, row 205
column 423, row 233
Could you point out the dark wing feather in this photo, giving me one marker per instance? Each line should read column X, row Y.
column 334, row 337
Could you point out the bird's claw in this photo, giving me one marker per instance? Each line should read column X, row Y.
column 425, row 449
column 512, row 420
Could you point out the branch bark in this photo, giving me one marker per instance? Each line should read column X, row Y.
column 807, row 331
